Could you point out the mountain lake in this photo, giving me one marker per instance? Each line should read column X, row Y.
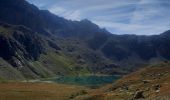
column 87, row 80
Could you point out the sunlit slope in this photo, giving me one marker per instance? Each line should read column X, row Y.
column 151, row 83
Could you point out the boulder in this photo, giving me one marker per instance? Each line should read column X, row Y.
column 139, row 95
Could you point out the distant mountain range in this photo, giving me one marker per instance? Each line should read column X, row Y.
column 36, row 43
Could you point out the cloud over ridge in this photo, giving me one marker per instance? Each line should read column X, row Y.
column 142, row 17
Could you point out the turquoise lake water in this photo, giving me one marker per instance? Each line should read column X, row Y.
column 91, row 81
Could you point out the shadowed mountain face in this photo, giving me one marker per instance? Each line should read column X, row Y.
column 60, row 46
column 19, row 12
column 145, row 47
column 21, row 39
column 19, row 45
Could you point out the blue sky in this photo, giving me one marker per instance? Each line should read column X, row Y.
column 141, row 17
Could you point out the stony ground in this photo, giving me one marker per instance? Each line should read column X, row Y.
column 151, row 83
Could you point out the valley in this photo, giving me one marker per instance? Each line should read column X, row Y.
column 47, row 57
column 150, row 83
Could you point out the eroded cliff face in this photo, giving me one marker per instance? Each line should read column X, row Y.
column 19, row 42
column 19, row 45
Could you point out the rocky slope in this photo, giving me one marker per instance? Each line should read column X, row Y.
column 18, row 46
column 23, row 54
column 150, row 83
column 54, row 45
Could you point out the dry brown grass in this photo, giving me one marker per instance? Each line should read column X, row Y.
column 37, row 91
column 143, row 80
column 158, row 75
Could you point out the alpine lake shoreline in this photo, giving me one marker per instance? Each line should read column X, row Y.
column 92, row 81
column 49, row 89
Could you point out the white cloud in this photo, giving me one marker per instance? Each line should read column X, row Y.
column 118, row 16
column 56, row 10
column 73, row 15
column 131, row 28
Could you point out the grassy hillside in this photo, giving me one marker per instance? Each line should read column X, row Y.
column 8, row 72
column 151, row 83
